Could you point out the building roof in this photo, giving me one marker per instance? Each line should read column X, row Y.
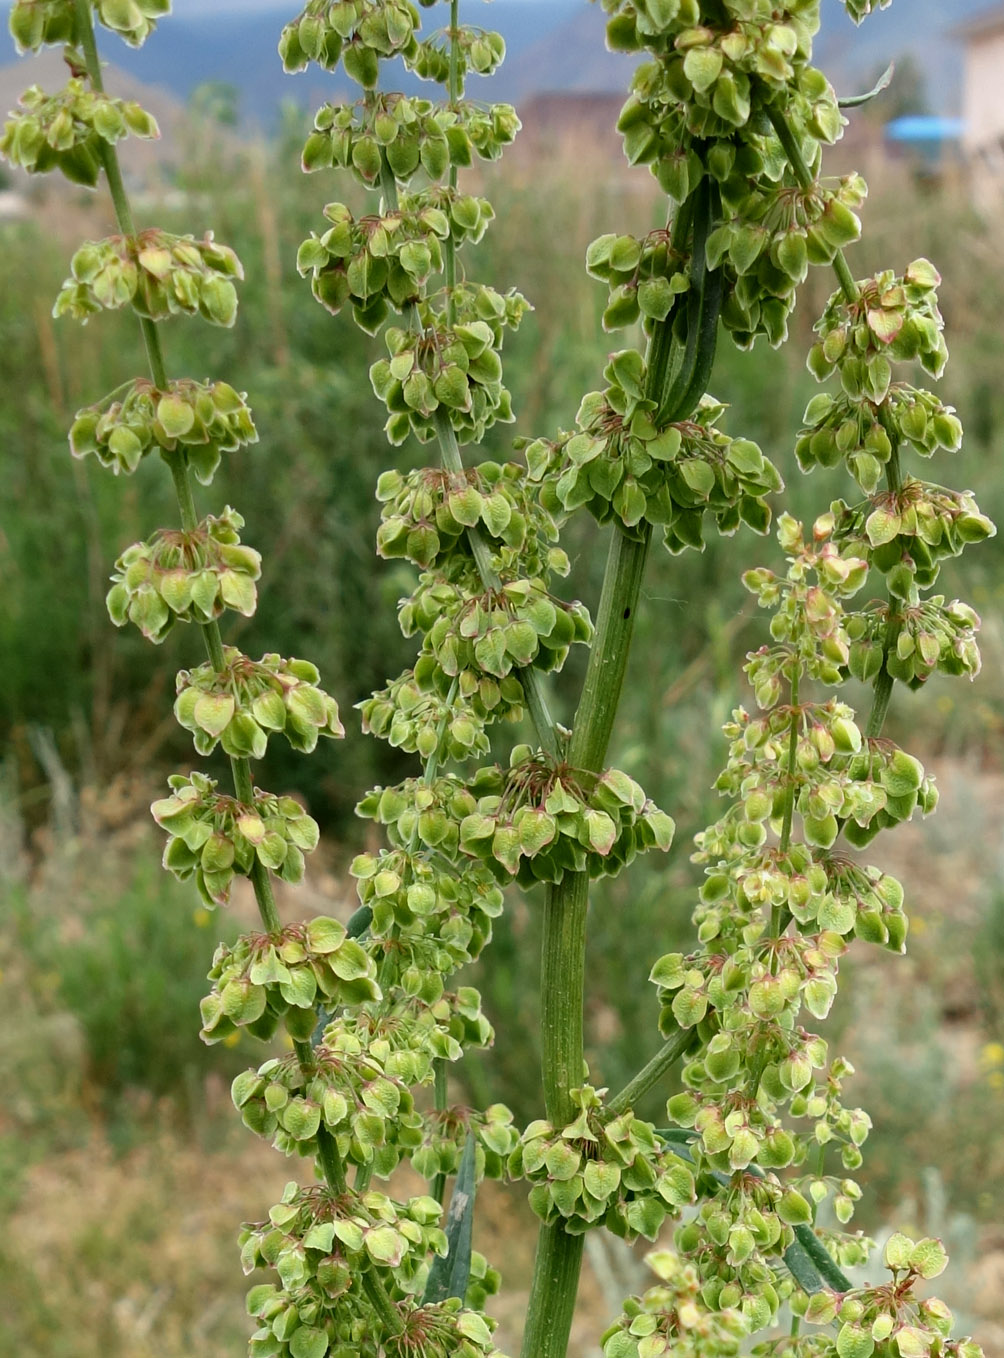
column 981, row 25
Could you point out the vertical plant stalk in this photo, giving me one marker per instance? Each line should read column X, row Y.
column 451, row 245
column 779, row 916
column 328, row 1156
column 212, row 637
column 884, row 682
column 452, row 461
column 558, row 1259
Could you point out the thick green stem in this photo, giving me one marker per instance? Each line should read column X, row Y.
column 563, row 949
column 608, row 659
column 553, row 1293
column 563, row 965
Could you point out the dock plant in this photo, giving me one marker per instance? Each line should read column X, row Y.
column 749, row 1188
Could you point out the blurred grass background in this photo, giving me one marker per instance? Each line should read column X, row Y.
column 124, row 1173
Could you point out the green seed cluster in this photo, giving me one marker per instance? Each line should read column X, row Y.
column 839, row 780
column 890, row 1321
column 772, row 239
column 622, row 465
column 490, row 698
column 477, row 49
column 733, row 1241
column 213, row 838
column 843, row 428
column 430, row 810
column 808, row 603
column 933, row 635
column 322, row 1245
column 892, row 320
column 458, row 370
column 430, row 913
column 538, row 820
column 426, row 514
column 673, row 1318
column 445, row 1134
column 157, row 273
column 357, row 33
column 40, row 23
column 407, row 1034
column 643, row 275
column 425, row 721
column 203, row 419
column 382, row 263
column 601, row 1168
column 64, row 131
column 178, row 576
column 371, row 1115
column 414, row 895
column 312, row 1231
column 352, row 137
column 503, row 629
column 907, row 533
column 415, row 135
column 240, row 705
column 267, row 977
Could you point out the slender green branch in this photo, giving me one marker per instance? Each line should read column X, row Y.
column 807, row 179
column 451, row 245
column 649, row 1076
column 243, row 783
column 884, row 682
column 241, row 768
column 449, row 450
column 789, row 792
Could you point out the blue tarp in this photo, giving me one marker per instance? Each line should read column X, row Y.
column 917, row 127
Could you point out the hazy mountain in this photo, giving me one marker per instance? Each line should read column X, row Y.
column 553, row 45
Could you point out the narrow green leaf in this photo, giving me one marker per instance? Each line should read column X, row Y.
column 450, row 1274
